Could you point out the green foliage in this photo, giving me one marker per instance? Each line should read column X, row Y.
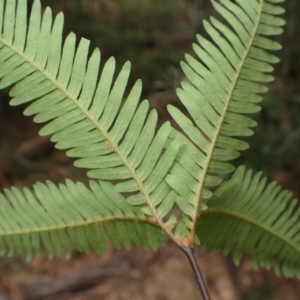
column 143, row 173
column 223, row 86
column 72, row 214
column 260, row 217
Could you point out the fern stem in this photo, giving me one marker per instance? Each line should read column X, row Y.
column 189, row 252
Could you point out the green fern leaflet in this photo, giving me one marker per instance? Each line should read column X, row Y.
column 84, row 110
column 71, row 214
column 224, row 84
column 247, row 215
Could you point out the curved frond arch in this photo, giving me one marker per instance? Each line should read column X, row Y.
column 247, row 215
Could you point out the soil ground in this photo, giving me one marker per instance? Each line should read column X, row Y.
column 136, row 274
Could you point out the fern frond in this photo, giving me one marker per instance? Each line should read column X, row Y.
column 57, row 218
column 84, row 110
column 246, row 215
column 224, row 84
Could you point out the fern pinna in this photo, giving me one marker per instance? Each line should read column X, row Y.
column 141, row 173
column 86, row 115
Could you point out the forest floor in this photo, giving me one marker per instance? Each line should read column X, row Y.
column 122, row 275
